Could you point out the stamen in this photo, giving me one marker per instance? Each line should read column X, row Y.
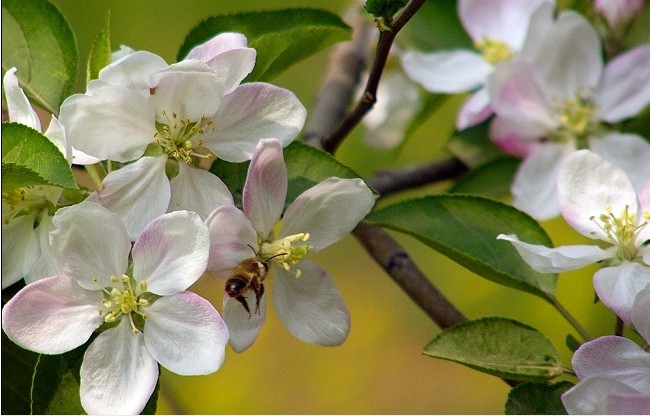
column 493, row 50
column 177, row 137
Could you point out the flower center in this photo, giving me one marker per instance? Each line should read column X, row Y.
column 622, row 231
column 284, row 252
column 575, row 119
column 181, row 138
column 493, row 50
column 125, row 299
column 23, row 200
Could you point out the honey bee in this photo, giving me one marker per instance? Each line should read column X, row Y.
column 248, row 276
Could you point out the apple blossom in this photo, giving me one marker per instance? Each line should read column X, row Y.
column 304, row 294
column 555, row 98
column 598, row 200
column 171, row 120
column 614, row 372
column 143, row 311
column 498, row 29
column 618, row 13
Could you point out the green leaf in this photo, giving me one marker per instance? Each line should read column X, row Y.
column 464, row 228
column 537, row 399
column 26, row 147
column 498, row 346
column 430, row 104
column 56, row 383
column 233, row 175
column 491, row 180
column 16, row 176
column 100, row 52
column 280, row 36
column 436, row 25
column 384, row 8
column 16, row 377
column 38, row 41
column 473, row 145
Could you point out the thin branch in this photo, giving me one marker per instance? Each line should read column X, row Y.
column 391, row 181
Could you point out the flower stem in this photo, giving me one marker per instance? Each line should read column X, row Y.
column 571, row 319
column 97, row 173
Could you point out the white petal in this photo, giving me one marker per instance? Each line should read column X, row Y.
column 534, row 188
column 231, row 237
column 614, row 357
column 640, row 313
column 328, row 211
column 198, row 190
column 447, row 72
column 628, row 152
column 17, row 237
column 185, row 334
column 90, row 241
column 624, row 90
column 171, row 253
column 253, row 112
column 56, row 133
column 588, row 187
column 475, row 110
column 618, row 286
column 243, row 326
column 266, row 186
column 114, row 123
column 310, row 306
column 618, row 13
column 506, row 21
column 45, row 264
column 20, row 110
column 133, row 70
column 138, row 193
column 556, row 260
column 643, row 235
column 227, row 54
column 591, row 396
column 118, row 375
column 189, row 89
column 52, row 315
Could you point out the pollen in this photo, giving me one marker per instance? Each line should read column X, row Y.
column 181, row 138
column 575, row 119
column 124, row 299
column 286, row 252
column 494, row 51
column 622, row 231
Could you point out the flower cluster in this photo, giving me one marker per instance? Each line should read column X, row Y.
column 113, row 271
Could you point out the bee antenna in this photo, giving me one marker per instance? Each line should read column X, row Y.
column 277, row 255
column 254, row 252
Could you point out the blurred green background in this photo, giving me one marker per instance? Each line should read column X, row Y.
column 380, row 368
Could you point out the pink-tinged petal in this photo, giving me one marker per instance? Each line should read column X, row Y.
column 475, row 110
column 171, row 253
column 198, row 190
column 133, row 70
column 227, row 54
column 640, row 313
column 243, row 326
column 138, row 193
column 266, row 186
column 90, row 242
column 506, row 21
column 185, row 334
column 20, row 110
column 45, row 264
column 113, row 123
column 618, row 286
column 253, row 112
column 618, row 13
column 447, row 72
column 643, row 234
column 625, row 87
column 534, row 188
column 627, row 404
column 516, row 138
column 17, row 237
column 118, row 375
column 310, row 306
column 52, row 315
column 592, row 396
column 614, row 357
column 231, row 237
column 328, row 211
column 628, row 152
column 189, row 89
column 588, row 187
column 556, row 260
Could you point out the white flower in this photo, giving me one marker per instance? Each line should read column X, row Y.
column 171, row 120
column 144, row 310
column 598, row 200
column 618, row 13
column 498, row 29
column 614, row 372
column 304, row 295
column 553, row 99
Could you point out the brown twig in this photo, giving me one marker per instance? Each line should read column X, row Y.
column 391, row 181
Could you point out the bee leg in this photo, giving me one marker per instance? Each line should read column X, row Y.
column 258, row 296
column 242, row 300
